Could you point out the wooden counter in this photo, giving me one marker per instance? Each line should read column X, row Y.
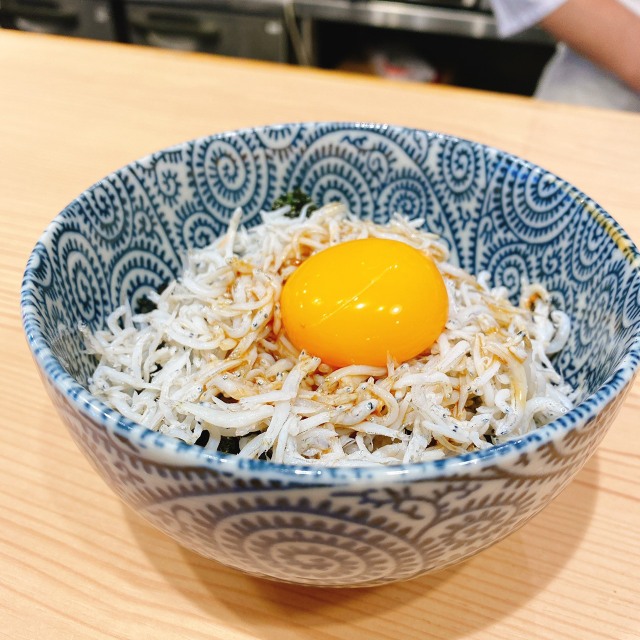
column 76, row 563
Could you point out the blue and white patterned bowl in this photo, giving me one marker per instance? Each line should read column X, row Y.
column 342, row 526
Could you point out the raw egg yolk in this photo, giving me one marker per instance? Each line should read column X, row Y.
column 360, row 301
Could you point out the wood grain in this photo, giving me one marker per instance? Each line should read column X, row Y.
column 76, row 563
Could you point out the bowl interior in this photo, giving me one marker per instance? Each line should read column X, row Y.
column 128, row 233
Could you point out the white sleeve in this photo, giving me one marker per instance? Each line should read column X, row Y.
column 514, row 16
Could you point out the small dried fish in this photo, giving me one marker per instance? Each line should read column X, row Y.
column 212, row 356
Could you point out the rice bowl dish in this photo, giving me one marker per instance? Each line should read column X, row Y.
column 541, row 254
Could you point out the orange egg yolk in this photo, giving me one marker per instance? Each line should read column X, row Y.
column 360, row 301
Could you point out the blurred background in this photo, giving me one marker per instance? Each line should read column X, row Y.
column 441, row 41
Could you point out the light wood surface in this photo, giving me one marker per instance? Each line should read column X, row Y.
column 76, row 563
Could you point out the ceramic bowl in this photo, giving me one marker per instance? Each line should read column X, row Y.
column 336, row 526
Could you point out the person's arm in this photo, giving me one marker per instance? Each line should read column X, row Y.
column 604, row 31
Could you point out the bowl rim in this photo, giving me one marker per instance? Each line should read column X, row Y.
column 172, row 452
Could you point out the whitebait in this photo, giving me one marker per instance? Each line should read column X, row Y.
column 210, row 364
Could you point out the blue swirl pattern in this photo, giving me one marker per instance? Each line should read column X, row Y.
column 342, row 526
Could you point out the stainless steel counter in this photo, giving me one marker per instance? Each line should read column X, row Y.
column 410, row 16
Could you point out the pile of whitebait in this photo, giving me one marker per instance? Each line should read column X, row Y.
column 210, row 364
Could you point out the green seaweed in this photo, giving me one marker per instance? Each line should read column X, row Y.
column 296, row 199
